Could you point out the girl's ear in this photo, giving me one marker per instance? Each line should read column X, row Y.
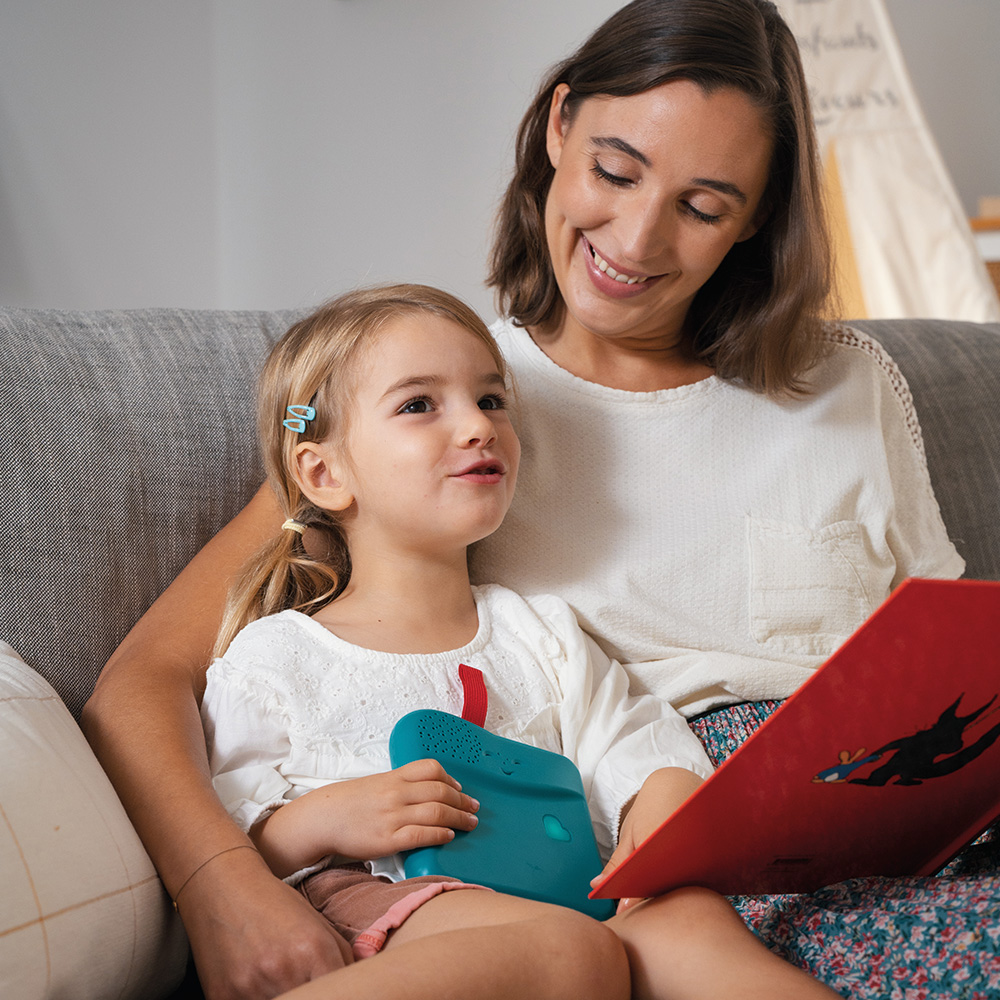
column 320, row 477
column 555, row 132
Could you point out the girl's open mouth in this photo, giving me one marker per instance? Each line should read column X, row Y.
column 483, row 472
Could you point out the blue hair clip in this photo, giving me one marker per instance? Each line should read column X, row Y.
column 301, row 414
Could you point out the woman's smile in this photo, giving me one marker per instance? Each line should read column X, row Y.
column 637, row 221
column 613, row 279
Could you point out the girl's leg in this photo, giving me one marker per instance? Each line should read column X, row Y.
column 463, row 943
column 691, row 943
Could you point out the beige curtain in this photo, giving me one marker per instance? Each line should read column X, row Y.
column 903, row 243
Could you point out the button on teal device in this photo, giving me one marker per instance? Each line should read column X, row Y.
column 534, row 837
column 555, row 829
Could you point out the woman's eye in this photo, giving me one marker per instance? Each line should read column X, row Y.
column 605, row 175
column 419, row 405
column 699, row 215
column 494, row 401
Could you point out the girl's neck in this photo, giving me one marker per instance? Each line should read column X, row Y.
column 405, row 604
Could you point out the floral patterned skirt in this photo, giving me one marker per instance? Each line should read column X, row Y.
column 879, row 938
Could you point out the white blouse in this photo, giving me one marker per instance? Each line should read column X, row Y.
column 291, row 707
column 719, row 543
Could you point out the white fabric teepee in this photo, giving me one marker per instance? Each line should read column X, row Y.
column 903, row 243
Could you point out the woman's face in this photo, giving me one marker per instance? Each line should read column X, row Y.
column 650, row 192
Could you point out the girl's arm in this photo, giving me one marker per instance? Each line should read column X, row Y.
column 299, row 808
column 416, row 805
column 662, row 793
column 251, row 935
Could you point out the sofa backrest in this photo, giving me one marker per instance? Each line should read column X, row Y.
column 953, row 370
column 128, row 440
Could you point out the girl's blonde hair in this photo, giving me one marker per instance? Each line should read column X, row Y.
column 315, row 364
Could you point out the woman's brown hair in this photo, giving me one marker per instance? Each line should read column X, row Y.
column 315, row 365
column 757, row 319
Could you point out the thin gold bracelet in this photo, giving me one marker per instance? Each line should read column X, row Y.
column 238, row 847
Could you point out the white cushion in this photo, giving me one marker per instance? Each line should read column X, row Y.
column 82, row 912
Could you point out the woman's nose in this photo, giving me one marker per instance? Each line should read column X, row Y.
column 645, row 233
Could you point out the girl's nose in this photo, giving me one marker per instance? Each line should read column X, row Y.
column 476, row 429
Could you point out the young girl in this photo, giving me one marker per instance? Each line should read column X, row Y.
column 388, row 442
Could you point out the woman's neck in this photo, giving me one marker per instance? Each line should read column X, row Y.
column 405, row 604
column 636, row 364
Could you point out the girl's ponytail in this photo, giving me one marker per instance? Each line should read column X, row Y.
column 284, row 575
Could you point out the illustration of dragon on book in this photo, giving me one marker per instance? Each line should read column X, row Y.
column 928, row 753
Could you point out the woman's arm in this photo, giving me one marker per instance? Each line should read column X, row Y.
column 251, row 935
column 143, row 719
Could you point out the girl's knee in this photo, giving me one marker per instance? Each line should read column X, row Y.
column 596, row 951
column 592, row 937
column 694, row 902
column 683, row 915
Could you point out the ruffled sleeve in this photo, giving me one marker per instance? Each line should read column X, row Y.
column 248, row 737
column 615, row 739
column 248, row 741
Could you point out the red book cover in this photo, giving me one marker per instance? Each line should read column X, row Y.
column 885, row 762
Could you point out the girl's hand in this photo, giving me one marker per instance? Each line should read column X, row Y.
column 416, row 805
column 661, row 793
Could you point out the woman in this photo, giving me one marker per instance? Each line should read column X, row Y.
column 662, row 257
column 660, row 252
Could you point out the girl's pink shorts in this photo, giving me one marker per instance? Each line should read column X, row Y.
column 363, row 908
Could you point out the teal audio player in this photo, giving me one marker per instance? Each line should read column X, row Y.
column 534, row 837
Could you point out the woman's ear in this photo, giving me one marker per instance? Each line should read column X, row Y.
column 318, row 473
column 555, row 132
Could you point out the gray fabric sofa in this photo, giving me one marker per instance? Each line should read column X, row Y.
column 128, row 440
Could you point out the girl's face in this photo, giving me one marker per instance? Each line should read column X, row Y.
column 654, row 188
column 431, row 457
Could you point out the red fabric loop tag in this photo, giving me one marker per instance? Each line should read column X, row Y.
column 476, row 699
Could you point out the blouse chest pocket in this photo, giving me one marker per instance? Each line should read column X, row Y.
column 809, row 589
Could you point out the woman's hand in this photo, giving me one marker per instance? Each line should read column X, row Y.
column 252, row 936
column 661, row 793
column 416, row 805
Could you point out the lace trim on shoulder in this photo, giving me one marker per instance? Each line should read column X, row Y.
column 847, row 336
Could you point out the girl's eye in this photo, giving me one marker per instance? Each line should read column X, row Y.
column 494, row 401
column 419, row 405
column 604, row 175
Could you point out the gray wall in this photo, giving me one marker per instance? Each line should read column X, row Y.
column 251, row 154
column 952, row 50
